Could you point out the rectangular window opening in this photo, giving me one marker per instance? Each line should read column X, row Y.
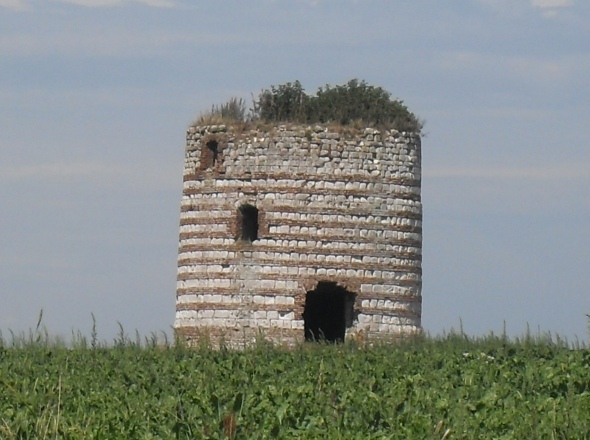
column 247, row 219
column 210, row 154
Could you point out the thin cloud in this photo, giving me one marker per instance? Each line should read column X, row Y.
column 58, row 171
column 543, row 4
column 558, row 172
column 111, row 3
column 106, row 174
column 117, row 42
column 550, row 8
column 14, row 5
column 158, row 3
column 121, row 42
column 507, row 7
column 545, row 70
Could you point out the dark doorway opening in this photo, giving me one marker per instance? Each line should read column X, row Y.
column 247, row 223
column 328, row 312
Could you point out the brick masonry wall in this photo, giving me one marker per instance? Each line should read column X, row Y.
column 337, row 205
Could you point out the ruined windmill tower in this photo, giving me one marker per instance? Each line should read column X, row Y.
column 299, row 232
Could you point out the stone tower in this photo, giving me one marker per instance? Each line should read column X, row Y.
column 295, row 232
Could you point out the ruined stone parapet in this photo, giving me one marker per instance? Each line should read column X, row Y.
column 298, row 232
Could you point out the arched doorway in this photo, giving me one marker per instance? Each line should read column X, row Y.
column 328, row 312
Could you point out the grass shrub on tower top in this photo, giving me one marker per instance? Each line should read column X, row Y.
column 355, row 103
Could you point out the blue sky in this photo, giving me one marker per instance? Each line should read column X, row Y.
column 96, row 95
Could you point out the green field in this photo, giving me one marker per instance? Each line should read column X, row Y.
column 431, row 388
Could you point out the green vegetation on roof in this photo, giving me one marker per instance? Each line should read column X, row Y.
column 353, row 103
